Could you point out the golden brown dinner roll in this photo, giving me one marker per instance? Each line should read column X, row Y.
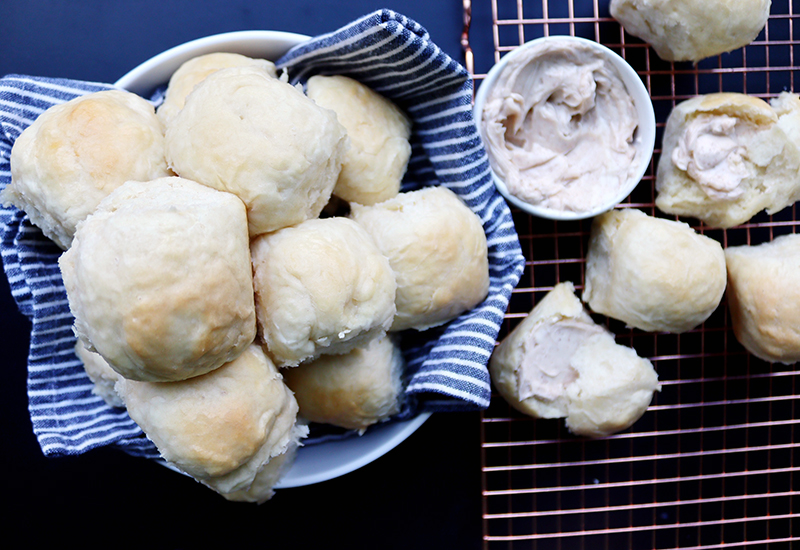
column 691, row 30
column 378, row 155
column 437, row 248
column 321, row 286
column 727, row 156
column 558, row 363
column 262, row 487
column 222, row 428
column 250, row 134
column 654, row 274
column 100, row 373
column 352, row 391
column 76, row 153
column 764, row 298
column 159, row 279
column 194, row 71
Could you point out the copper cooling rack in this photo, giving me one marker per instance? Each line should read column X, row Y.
column 715, row 461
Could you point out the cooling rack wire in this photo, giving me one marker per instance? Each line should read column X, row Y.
column 715, row 461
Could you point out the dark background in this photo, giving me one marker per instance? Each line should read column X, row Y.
column 424, row 494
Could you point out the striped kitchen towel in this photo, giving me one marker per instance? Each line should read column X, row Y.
column 447, row 367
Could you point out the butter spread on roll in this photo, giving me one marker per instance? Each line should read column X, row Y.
column 712, row 151
column 559, row 125
column 558, row 363
column 728, row 156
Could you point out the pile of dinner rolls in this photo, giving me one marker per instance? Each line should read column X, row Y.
column 241, row 260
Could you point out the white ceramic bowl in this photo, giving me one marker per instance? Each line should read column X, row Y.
column 321, row 461
column 644, row 137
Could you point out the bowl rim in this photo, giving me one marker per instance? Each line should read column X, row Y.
column 644, row 137
column 150, row 73
column 313, row 464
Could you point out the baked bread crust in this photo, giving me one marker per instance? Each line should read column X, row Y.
column 352, row 391
column 768, row 157
column 437, row 248
column 379, row 131
column 194, row 71
column 263, row 140
column 321, row 286
column 691, row 30
column 221, row 428
column 76, row 153
column 652, row 273
column 159, row 280
column 764, row 297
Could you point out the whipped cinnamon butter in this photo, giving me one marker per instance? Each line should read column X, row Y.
column 545, row 370
column 712, row 151
column 559, row 126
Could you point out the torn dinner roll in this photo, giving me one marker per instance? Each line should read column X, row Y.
column 321, row 286
column 159, row 280
column 250, row 134
column 379, row 131
column 764, row 297
column 194, row 71
column 223, row 428
column 437, row 249
column 354, row 390
column 558, row 363
column 652, row 273
column 728, row 156
column 76, row 153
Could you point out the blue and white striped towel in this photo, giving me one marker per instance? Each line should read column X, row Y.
column 385, row 50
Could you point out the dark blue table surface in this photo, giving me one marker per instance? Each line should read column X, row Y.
column 423, row 494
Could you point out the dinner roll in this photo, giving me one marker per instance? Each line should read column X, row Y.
column 222, row 428
column 194, row 71
column 261, row 139
column 321, row 286
column 558, row 363
column 764, row 298
column 654, row 274
column 262, row 487
column 691, row 30
column 352, row 391
column 727, row 156
column 438, row 251
column 379, row 131
column 76, row 153
column 100, row 373
column 159, row 280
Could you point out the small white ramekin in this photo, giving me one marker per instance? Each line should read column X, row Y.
column 644, row 137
